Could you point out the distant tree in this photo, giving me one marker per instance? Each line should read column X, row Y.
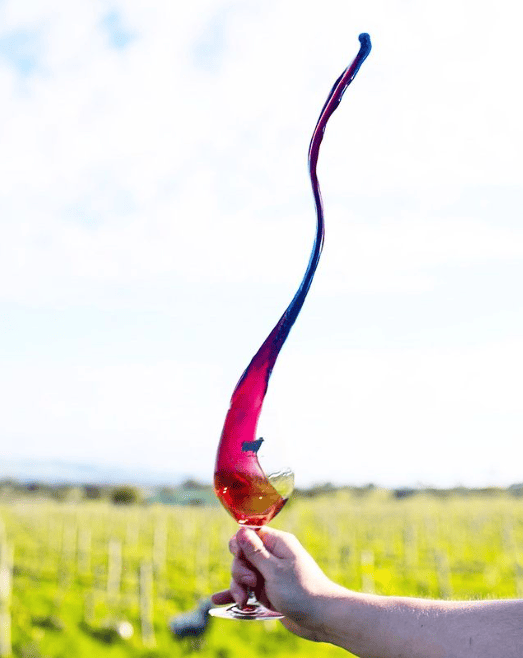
column 65, row 492
column 437, row 493
column 8, row 487
column 405, row 492
column 363, row 490
column 488, row 491
column 194, row 484
column 125, row 495
column 92, row 491
column 516, row 489
column 318, row 490
column 167, row 491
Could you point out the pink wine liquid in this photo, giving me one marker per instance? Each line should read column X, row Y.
column 240, row 482
column 252, row 502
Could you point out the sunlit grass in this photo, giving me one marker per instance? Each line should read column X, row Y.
column 77, row 567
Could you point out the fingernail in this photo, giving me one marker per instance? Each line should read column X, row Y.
column 245, row 536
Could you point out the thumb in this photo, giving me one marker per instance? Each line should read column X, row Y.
column 254, row 550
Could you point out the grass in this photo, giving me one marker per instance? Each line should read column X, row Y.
column 77, row 567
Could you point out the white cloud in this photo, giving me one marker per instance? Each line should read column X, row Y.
column 111, row 153
column 155, row 172
column 404, row 254
column 157, row 414
column 446, row 414
column 373, row 415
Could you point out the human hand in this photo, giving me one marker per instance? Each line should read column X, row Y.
column 284, row 577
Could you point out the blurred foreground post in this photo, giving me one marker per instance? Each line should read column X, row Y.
column 114, row 570
column 68, row 558
column 367, row 572
column 84, row 552
column 510, row 546
column 6, row 566
column 146, row 604
column 443, row 574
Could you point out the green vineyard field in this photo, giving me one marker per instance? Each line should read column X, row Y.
column 72, row 573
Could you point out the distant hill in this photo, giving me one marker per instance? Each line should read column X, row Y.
column 64, row 472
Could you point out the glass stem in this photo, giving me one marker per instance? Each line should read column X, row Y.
column 251, row 598
column 252, row 601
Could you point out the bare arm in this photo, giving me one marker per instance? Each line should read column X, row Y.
column 286, row 578
column 394, row 627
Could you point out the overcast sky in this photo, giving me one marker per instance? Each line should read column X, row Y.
column 156, row 218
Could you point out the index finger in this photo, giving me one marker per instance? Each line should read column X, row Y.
column 278, row 543
column 220, row 598
column 234, row 547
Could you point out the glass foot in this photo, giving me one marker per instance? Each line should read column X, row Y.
column 250, row 612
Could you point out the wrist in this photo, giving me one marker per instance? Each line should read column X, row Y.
column 349, row 619
column 326, row 610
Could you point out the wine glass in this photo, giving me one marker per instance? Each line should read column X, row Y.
column 253, row 495
column 253, row 485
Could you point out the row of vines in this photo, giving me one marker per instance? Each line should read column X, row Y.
column 94, row 579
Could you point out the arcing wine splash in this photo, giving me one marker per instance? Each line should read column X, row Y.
column 237, row 455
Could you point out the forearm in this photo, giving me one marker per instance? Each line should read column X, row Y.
column 392, row 627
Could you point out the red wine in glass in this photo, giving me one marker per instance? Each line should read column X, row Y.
column 253, row 495
column 252, row 502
